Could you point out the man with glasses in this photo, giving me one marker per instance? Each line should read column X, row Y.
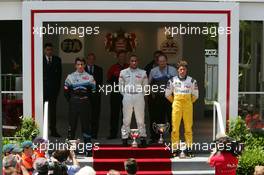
column 158, row 78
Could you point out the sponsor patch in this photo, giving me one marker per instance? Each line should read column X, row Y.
column 85, row 77
column 138, row 76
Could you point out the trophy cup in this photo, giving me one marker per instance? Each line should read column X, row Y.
column 182, row 148
column 73, row 145
column 134, row 133
column 161, row 129
column 182, row 155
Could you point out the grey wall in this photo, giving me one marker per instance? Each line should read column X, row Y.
column 193, row 52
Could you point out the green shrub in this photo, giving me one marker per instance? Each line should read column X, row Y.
column 13, row 140
column 249, row 159
column 253, row 154
column 255, row 141
column 28, row 129
column 238, row 130
column 6, row 141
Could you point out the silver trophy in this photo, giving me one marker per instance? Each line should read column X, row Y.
column 161, row 129
column 73, row 145
column 182, row 148
column 134, row 134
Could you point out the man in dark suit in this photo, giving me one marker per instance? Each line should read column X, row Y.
column 151, row 100
column 154, row 62
column 116, row 97
column 52, row 82
column 97, row 73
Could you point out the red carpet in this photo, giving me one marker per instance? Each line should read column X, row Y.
column 151, row 160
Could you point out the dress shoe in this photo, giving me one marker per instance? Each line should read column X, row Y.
column 55, row 134
column 189, row 153
column 88, row 153
column 111, row 137
column 153, row 141
column 143, row 143
column 125, row 142
column 94, row 137
column 176, row 153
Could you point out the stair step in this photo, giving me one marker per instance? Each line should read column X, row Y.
column 211, row 172
column 197, row 158
column 148, row 159
column 138, row 160
column 145, row 164
column 196, row 163
column 139, row 173
column 194, row 172
column 128, row 152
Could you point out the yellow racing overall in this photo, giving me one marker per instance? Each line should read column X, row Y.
column 182, row 93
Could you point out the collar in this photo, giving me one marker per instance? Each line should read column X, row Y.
column 133, row 70
column 182, row 79
column 166, row 67
column 79, row 72
column 122, row 66
column 48, row 57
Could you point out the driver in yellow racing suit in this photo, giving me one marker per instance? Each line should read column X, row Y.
column 182, row 92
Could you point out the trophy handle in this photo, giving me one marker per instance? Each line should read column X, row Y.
column 168, row 127
column 154, row 126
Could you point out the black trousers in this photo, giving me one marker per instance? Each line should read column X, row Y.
column 116, row 109
column 160, row 112
column 52, row 107
column 79, row 108
column 96, row 110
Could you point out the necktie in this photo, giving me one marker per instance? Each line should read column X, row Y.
column 91, row 70
column 49, row 60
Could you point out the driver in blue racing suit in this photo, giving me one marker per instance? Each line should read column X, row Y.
column 77, row 87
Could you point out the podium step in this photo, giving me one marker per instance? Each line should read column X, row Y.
column 145, row 164
column 193, row 172
column 148, row 159
column 151, row 161
column 117, row 151
column 192, row 164
column 139, row 173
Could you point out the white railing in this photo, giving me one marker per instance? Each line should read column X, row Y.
column 251, row 93
column 45, row 121
column 220, row 122
column 9, row 127
column 11, row 82
column 11, row 86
